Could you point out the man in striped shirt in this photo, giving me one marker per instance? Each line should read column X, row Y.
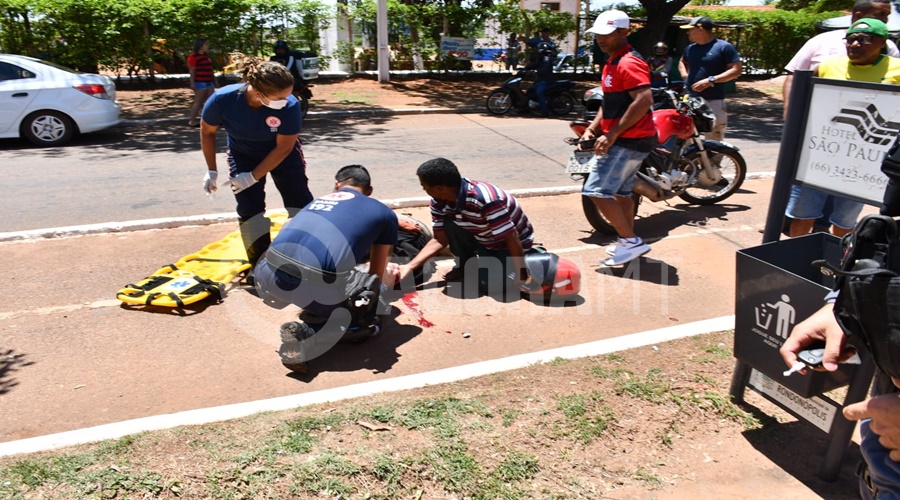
column 475, row 219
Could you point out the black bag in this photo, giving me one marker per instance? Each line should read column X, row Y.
column 868, row 282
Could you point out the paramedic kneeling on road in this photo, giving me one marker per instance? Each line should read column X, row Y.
column 263, row 121
column 312, row 264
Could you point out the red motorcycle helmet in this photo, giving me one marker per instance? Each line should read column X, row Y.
column 552, row 275
column 669, row 122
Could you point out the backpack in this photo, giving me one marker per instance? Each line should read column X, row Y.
column 868, row 284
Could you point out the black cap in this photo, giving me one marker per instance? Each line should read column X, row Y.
column 545, row 29
column 701, row 21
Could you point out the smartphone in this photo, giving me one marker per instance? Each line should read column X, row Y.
column 812, row 358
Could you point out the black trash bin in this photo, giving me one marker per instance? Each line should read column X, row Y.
column 778, row 287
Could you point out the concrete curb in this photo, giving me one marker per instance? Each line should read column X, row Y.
column 334, row 114
column 209, row 219
column 405, row 382
column 400, row 111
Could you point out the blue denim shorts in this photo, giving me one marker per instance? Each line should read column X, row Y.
column 807, row 203
column 204, row 85
column 614, row 174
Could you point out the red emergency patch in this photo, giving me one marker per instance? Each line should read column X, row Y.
column 273, row 122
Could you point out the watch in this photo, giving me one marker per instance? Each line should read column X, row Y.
column 712, row 80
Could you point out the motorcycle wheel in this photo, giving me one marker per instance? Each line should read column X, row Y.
column 733, row 168
column 304, row 106
column 500, row 101
column 562, row 104
column 596, row 219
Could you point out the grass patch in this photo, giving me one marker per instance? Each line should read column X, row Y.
column 586, row 417
column 653, row 388
column 434, row 443
column 355, row 97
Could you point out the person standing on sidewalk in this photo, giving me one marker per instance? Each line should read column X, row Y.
column 202, row 79
column 512, row 52
column 865, row 41
column 706, row 64
column 262, row 119
column 624, row 134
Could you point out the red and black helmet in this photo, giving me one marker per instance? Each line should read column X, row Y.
column 552, row 274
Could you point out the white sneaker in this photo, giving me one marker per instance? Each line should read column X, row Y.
column 611, row 249
column 626, row 251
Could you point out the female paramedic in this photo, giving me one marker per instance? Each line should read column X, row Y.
column 262, row 120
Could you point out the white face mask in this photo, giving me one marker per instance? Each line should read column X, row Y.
column 277, row 104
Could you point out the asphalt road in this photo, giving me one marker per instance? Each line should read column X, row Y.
column 145, row 172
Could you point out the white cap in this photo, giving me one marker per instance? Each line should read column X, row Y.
column 608, row 22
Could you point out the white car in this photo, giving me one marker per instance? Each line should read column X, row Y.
column 48, row 104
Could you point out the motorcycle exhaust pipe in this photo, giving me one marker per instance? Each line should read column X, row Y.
column 647, row 188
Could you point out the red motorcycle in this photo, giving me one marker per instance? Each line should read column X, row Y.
column 686, row 165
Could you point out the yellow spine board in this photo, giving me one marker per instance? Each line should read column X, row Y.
column 197, row 276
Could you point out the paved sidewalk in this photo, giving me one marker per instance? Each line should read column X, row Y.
column 77, row 348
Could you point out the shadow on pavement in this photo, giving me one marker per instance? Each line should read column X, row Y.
column 174, row 136
column 644, row 269
column 10, row 362
column 188, row 310
column 758, row 125
column 798, row 448
column 378, row 354
column 658, row 225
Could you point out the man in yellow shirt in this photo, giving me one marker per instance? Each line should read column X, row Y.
column 864, row 62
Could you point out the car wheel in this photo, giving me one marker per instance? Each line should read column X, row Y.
column 48, row 128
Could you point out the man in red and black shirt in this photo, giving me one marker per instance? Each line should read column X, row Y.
column 474, row 218
column 624, row 133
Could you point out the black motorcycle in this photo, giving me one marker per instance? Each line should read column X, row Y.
column 560, row 97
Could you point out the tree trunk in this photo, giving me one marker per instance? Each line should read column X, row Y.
column 659, row 13
column 149, row 48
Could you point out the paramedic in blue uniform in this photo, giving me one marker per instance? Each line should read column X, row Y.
column 313, row 264
column 262, row 120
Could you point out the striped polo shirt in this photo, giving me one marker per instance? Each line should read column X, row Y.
column 203, row 67
column 486, row 211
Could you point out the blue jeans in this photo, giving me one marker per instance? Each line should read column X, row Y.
column 540, row 88
column 807, row 203
column 883, row 471
column 613, row 174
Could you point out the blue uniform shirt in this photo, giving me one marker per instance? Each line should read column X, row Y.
column 335, row 232
column 709, row 60
column 251, row 131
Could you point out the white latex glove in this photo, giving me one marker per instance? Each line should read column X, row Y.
column 209, row 181
column 241, row 182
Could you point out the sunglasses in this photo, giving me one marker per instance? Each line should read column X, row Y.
column 861, row 39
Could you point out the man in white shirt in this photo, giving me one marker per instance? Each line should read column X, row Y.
column 831, row 43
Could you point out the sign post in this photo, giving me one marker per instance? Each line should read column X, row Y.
column 836, row 135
